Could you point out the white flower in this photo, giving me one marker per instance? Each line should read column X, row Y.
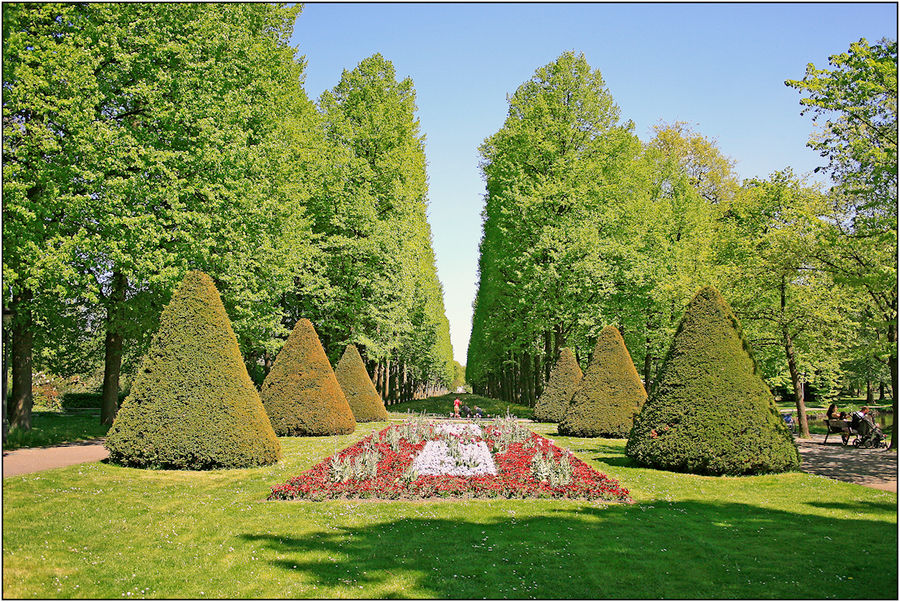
column 435, row 459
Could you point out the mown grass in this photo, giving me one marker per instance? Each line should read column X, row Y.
column 53, row 428
column 102, row 531
column 444, row 405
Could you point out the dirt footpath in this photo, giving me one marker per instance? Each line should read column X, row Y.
column 870, row 467
column 34, row 459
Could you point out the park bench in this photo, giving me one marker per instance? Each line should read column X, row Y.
column 839, row 427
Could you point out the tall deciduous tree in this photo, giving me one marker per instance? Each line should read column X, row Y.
column 855, row 103
column 386, row 295
column 555, row 188
column 167, row 121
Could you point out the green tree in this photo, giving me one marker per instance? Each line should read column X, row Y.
column 666, row 249
column 169, row 124
column 386, row 296
column 301, row 393
column 855, row 103
column 610, row 394
column 193, row 405
column 711, row 413
column 795, row 315
column 555, row 178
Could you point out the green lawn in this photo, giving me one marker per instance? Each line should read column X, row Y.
column 53, row 428
column 101, row 531
column 444, row 405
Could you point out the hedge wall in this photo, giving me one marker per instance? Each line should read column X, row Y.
column 301, row 394
column 364, row 400
column 564, row 380
column 712, row 413
column 192, row 405
column 609, row 395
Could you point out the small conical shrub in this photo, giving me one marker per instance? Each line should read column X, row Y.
column 301, row 394
column 364, row 400
column 564, row 379
column 192, row 404
column 610, row 394
column 712, row 413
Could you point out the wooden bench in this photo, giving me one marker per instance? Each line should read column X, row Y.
column 839, row 427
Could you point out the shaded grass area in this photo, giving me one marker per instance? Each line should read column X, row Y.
column 54, row 428
column 101, row 531
column 443, row 404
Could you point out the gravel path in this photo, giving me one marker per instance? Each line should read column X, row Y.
column 34, row 459
column 870, row 467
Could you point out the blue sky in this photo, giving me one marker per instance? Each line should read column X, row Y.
column 719, row 67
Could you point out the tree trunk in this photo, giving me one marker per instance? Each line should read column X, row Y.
column 881, row 391
column 870, row 392
column 549, row 360
column 792, row 366
column 795, row 380
column 525, row 378
column 20, row 399
column 6, row 318
column 648, row 365
column 390, row 381
column 558, row 341
column 113, row 354
column 892, row 340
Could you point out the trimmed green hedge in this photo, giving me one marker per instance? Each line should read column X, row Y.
column 192, row 405
column 82, row 401
column 711, row 413
column 364, row 400
column 610, row 394
column 564, row 380
column 301, row 394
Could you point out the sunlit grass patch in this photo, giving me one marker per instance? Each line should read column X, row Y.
column 102, row 531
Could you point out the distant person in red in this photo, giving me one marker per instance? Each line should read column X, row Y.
column 456, row 407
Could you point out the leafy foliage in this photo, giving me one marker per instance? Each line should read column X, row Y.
column 301, row 394
column 364, row 400
column 712, row 413
column 192, row 405
column 564, row 380
column 609, row 395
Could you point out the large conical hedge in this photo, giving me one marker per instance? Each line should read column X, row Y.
column 364, row 400
column 301, row 394
column 564, row 379
column 192, row 404
column 610, row 394
column 711, row 413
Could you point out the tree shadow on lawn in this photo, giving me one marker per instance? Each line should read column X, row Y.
column 663, row 550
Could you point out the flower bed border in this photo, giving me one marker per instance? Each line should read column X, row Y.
column 514, row 480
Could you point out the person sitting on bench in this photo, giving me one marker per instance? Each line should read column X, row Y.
column 833, row 414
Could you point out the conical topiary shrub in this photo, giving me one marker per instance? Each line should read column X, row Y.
column 564, row 379
column 610, row 394
column 711, row 413
column 301, row 394
column 192, row 404
column 364, row 400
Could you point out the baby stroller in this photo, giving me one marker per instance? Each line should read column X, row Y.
column 870, row 434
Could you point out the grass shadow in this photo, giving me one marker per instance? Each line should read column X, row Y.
column 856, row 506
column 666, row 550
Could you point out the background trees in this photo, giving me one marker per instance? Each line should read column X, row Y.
column 585, row 226
column 143, row 140
column 855, row 104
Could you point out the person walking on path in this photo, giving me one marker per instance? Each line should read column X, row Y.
column 456, row 407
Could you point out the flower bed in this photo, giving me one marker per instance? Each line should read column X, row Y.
column 418, row 459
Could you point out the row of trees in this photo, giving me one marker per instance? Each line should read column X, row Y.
column 585, row 225
column 143, row 140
